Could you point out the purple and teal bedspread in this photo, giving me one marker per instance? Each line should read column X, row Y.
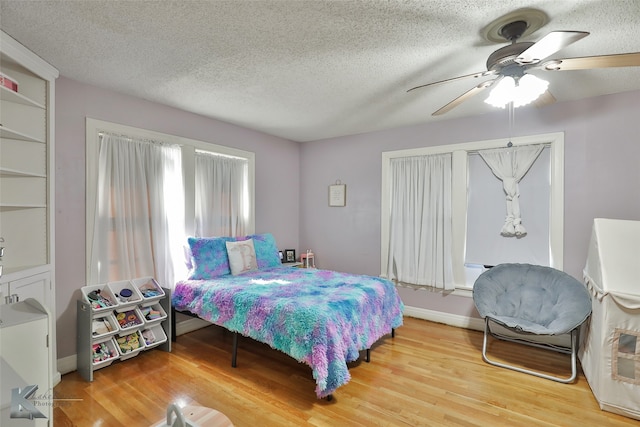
column 319, row 317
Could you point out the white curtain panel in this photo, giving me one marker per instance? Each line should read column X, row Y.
column 420, row 222
column 221, row 195
column 510, row 165
column 139, row 222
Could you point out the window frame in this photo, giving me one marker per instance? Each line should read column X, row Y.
column 460, row 153
column 188, row 147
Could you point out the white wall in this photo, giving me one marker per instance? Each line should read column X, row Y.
column 277, row 171
column 602, row 175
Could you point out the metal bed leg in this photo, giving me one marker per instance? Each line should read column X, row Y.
column 368, row 356
column 234, row 351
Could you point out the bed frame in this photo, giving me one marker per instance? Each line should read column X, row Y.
column 234, row 345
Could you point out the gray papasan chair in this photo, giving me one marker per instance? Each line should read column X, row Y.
column 532, row 300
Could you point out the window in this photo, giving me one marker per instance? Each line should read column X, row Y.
column 221, row 194
column 478, row 206
column 141, row 200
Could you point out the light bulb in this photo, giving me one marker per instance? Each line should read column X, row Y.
column 502, row 94
column 527, row 89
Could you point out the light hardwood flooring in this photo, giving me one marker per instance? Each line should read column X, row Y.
column 428, row 375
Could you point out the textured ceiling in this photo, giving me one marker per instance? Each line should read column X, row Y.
column 309, row 70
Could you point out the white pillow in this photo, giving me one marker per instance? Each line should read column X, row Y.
column 242, row 256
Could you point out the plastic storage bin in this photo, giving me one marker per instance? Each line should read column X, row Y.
column 153, row 336
column 100, row 297
column 129, row 345
column 125, row 292
column 153, row 313
column 148, row 288
column 104, row 325
column 129, row 319
column 104, row 352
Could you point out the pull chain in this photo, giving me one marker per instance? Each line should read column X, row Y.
column 511, row 120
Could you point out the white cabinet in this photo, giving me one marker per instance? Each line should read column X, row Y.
column 27, row 189
column 18, row 287
column 25, row 364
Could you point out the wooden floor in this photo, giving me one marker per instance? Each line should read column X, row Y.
column 428, row 375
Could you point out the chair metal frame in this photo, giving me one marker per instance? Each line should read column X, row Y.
column 571, row 351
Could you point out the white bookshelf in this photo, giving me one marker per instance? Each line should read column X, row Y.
column 27, row 179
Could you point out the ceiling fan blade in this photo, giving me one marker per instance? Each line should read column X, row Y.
column 548, row 45
column 474, row 75
column 588, row 62
column 468, row 94
column 545, row 99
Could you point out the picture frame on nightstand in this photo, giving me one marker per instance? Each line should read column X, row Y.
column 289, row 255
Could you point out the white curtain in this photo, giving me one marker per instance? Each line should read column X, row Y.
column 221, row 200
column 420, row 221
column 510, row 165
column 139, row 220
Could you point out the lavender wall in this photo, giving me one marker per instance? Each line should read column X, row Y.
column 602, row 175
column 277, row 172
column 602, row 155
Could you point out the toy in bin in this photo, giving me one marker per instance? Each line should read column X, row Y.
column 128, row 319
column 150, row 313
column 129, row 343
column 102, row 352
column 150, row 289
column 101, row 326
column 98, row 300
column 149, row 337
column 125, row 294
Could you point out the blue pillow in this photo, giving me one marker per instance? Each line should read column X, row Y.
column 209, row 257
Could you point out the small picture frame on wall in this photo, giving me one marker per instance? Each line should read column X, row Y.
column 338, row 194
column 289, row 255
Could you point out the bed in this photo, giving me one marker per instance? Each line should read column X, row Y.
column 318, row 317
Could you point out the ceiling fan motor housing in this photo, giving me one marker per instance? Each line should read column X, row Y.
column 506, row 56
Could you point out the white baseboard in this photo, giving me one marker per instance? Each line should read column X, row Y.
column 190, row 325
column 446, row 318
column 68, row 364
column 477, row 324
column 57, row 377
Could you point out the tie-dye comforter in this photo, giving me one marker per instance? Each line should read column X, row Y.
column 319, row 317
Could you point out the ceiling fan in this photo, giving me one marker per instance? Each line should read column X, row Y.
column 513, row 61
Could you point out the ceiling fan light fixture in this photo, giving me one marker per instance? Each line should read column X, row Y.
column 521, row 92
column 502, row 94
column 529, row 89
